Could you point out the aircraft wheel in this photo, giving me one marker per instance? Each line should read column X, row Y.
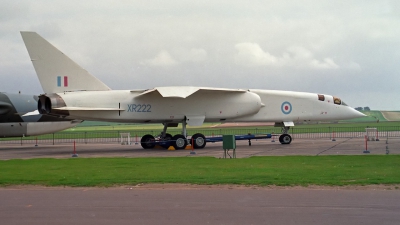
column 179, row 142
column 285, row 139
column 167, row 140
column 147, row 141
column 168, row 136
column 198, row 140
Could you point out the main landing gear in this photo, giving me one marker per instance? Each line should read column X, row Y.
column 285, row 138
column 178, row 141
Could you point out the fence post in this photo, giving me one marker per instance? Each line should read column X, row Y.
column 292, row 133
column 376, row 138
column 387, row 137
column 366, row 145
column 74, row 155
column 53, row 138
column 330, row 133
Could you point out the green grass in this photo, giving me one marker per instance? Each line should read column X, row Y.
column 302, row 128
column 103, row 126
column 372, row 116
column 157, row 128
column 280, row 170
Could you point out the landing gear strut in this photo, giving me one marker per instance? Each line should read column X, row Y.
column 179, row 141
column 148, row 141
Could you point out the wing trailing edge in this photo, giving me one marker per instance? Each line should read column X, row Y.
column 88, row 109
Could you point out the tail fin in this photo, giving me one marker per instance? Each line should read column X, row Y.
column 56, row 72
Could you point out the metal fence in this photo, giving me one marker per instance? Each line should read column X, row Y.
column 135, row 135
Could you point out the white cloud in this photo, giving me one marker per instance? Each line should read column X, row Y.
column 354, row 66
column 327, row 63
column 193, row 55
column 197, row 55
column 251, row 54
column 162, row 59
column 165, row 59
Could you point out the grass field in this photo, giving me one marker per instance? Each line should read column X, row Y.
column 208, row 130
column 372, row 116
column 391, row 115
column 282, row 171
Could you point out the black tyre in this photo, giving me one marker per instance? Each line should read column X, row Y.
column 167, row 141
column 179, row 142
column 198, row 141
column 285, row 139
column 168, row 136
column 147, row 141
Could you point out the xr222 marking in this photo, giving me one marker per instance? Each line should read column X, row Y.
column 139, row 108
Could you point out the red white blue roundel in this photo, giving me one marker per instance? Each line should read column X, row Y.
column 286, row 107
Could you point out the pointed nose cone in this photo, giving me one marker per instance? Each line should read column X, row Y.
column 355, row 114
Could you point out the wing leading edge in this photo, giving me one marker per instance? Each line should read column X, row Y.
column 185, row 91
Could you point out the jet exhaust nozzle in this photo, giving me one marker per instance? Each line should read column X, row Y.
column 50, row 104
column 44, row 105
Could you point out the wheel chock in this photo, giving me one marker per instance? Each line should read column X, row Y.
column 171, row 148
column 189, row 147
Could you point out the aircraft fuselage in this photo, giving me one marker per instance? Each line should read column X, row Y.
column 249, row 106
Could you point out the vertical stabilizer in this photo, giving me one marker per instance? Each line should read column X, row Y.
column 56, row 72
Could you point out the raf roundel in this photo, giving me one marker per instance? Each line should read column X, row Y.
column 286, row 107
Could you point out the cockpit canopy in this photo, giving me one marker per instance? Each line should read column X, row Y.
column 336, row 100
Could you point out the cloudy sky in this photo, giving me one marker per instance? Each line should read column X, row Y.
column 348, row 48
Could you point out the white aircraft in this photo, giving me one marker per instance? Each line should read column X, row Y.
column 71, row 92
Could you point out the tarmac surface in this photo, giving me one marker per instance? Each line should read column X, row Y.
column 262, row 147
column 196, row 204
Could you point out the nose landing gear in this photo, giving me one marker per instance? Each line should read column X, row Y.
column 285, row 138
